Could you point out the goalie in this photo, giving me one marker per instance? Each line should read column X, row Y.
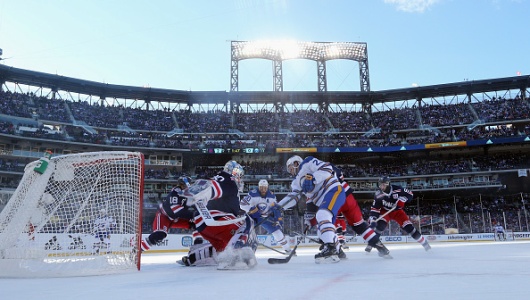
column 231, row 238
column 499, row 232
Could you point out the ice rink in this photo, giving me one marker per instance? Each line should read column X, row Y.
column 457, row 270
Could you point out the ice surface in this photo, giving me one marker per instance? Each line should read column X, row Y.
column 459, row 270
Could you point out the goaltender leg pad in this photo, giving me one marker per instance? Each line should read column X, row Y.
column 201, row 255
column 237, row 259
column 239, row 255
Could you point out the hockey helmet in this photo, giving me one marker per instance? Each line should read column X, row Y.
column 384, row 183
column 263, row 186
column 293, row 163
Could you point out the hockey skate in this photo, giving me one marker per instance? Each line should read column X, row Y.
column 368, row 249
column 343, row 245
column 328, row 254
column 342, row 255
column 426, row 246
column 382, row 249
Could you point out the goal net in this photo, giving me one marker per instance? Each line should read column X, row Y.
column 80, row 215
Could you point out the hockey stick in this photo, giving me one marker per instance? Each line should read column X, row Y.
column 384, row 215
column 275, row 261
column 270, row 248
column 310, row 238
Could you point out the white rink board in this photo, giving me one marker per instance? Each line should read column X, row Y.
column 181, row 242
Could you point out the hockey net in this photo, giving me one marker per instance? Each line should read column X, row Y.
column 507, row 236
column 81, row 216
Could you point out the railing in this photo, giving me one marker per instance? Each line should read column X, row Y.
column 438, row 224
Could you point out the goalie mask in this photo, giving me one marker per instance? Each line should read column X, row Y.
column 293, row 164
column 184, row 182
column 236, row 171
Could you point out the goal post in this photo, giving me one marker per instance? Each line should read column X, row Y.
column 73, row 215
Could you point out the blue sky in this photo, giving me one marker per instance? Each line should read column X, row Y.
column 185, row 45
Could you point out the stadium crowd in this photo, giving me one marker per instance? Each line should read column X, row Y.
column 184, row 129
column 126, row 126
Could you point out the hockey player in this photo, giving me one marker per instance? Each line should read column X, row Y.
column 229, row 231
column 390, row 199
column 340, row 228
column 317, row 181
column 172, row 213
column 499, row 232
column 262, row 207
column 102, row 228
column 352, row 214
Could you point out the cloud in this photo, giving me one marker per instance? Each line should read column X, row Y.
column 412, row 6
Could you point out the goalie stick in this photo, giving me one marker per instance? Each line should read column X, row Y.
column 275, row 261
column 209, row 220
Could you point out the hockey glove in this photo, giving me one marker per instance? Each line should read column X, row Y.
column 401, row 202
column 372, row 222
column 276, row 211
column 308, row 183
column 310, row 219
column 254, row 213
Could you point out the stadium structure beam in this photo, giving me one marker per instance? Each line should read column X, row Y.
column 322, row 80
column 234, row 72
column 278, row 51
column 278, row 76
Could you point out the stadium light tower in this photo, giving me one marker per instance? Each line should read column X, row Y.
column 278, row 51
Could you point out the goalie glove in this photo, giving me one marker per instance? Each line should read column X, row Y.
column 201, row 190
column 308, row 183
